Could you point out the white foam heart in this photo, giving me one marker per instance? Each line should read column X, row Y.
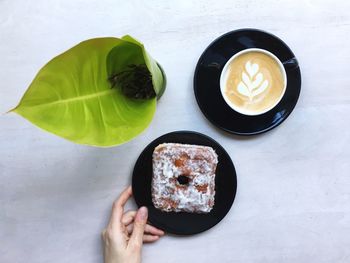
column 252, row 69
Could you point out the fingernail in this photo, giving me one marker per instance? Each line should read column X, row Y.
column 143, row 213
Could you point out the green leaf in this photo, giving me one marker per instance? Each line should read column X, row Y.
column 72, row 97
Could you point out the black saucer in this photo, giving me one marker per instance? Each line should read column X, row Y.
column 207, row 82
column 185, row 223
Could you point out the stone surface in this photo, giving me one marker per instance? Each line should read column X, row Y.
column 293, row 194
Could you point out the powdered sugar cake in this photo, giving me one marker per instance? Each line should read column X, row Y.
column 184, row 178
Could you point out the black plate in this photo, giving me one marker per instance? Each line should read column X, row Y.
column 185, row 223
column 207, row 82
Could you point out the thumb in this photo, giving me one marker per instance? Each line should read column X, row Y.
column 136, row 238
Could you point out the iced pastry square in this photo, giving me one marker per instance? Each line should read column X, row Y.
column 184, row 178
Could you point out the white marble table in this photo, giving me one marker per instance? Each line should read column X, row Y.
column 293, row 199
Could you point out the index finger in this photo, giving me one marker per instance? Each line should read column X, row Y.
column 118, row 206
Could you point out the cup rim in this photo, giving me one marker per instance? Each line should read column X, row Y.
column 223, row 80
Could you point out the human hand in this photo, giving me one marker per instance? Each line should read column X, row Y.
column 126, row 232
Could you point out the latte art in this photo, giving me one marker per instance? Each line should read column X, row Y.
column 253, row 81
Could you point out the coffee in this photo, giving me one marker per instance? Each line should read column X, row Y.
column 253, row 81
